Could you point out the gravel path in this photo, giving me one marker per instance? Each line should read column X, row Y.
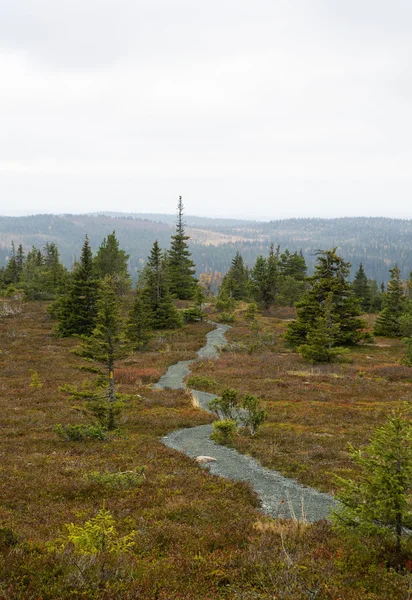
column 279, row 496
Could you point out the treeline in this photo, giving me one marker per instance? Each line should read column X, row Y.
column 375, row 242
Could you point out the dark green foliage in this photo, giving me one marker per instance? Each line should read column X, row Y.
column 328, row 284
column 321, row 338
column 235, row 282
column 293, row 265
column 107, row 343
column 76, row 310
column 362, row 289
column 381, row 501
column 180, row 266
column 375, row 295
column 291, row 290
column 138, row 326
column 43, row 276
column 110, row 260
column 224, row 303
column 394, row 305
column 192, row 314
column 260, row 289
column 80, row 433
column 10, row 274
column 162, row 313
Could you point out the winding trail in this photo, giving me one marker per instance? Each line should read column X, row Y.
column 279, row 496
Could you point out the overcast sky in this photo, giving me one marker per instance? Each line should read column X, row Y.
column 271, row 108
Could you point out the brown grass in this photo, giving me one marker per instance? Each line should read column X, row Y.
column 196, row 534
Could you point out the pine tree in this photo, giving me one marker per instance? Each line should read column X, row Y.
column 138, row 325
column 43, row 276
column 107, row 342
column 330, row 277
column 375, row 295
column 272, row 275
column 322, row 337
column 76, row 310
column 235, row 282
column 110, row 260
column 293, row 265
column 162, row 313
column 259, row 282
column 181, row 267
column 381, row 500
column 394, row 306
column 361, row 288
column 11, row 272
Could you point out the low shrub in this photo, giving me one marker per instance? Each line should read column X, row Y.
column 201, row 382
column 227, row 317
column 80, row 433
column 223, row 431
column 124, row 480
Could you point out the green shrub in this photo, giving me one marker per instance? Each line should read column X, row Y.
column 254, row 413
column 225, row 406
column 223, row 431
column 192, row 314
column 227, row 317
column 98, row 535
column 121, row 480
column 201, row 382
column 80, row 433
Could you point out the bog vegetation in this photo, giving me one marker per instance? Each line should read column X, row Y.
column 315, row 383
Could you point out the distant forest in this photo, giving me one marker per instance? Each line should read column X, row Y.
column 378, row 243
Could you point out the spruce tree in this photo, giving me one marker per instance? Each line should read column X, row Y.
column 272, row 275
column 110, row 260
column 394, row 306
column 293, row 265
column 107, row 343
column 235, row 282
column 138, row 325
column 43, row 276
column 259, row 282
column 181, row 267
column 11, row 272
column 328, row 281
column 321, row 338
column 162, row 313
column 380, row 501
column 76, row 310
column 361, row 288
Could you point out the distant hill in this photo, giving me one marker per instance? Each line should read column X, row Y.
column 378, row 243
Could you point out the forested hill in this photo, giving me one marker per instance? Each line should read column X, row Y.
column 378, row 243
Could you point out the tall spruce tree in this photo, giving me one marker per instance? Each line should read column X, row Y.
column 110, row 260
column 138, row 326
column 361, row 289
column 180, row 265
column 11, row 273
column 394, row 306
column 235, row 282
column 76, row 310
column 162, row 313
column 107, row 343
column 328, row 281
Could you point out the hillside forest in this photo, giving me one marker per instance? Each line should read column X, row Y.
column 314, row 383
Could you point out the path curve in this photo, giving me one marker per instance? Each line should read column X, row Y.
column 279, row 496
